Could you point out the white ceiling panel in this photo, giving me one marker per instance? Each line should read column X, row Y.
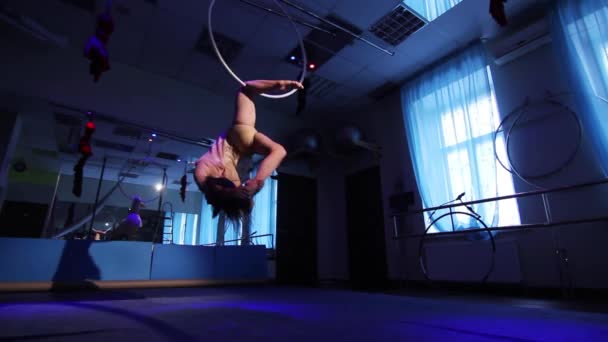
column 365, row 81
column 168, row 44
column 339, row 69
column 361, row 53
column 275, row 36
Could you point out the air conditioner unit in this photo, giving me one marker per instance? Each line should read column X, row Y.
column 519, row 42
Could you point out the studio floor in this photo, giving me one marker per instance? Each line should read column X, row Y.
column 287, row 314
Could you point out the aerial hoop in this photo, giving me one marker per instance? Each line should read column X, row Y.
column 241, row 82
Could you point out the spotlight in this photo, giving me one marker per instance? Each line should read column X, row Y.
column 293, row 58
column 311, row 66
column 179, row 160
column 150, row 140
column 158, row 187
column 107, row 224
column 154, row 135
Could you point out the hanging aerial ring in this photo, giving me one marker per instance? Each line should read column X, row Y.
column 241, row 82
column 518, row 113
column 566, row 161
column 490, row 268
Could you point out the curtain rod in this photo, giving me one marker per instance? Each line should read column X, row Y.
column 345, row 30
column 270, row 10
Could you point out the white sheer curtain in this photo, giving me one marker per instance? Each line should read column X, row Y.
column 581, row 36
column 264, row 214
column 184, row 228
column 450, row 115
column 263, row 220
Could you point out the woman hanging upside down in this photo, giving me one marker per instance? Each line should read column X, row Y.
column 216, row 171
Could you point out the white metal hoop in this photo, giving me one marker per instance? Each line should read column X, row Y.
column 219, row 55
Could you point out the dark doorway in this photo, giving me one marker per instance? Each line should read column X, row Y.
column 22, row 219
column 365, row 220
column 296, row 230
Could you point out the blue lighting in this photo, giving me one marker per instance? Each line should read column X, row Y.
column 293, row 58
column 154, row 135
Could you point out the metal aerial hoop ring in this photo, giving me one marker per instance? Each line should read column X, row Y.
column 223, row 62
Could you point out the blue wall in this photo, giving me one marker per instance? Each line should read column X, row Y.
column 24, row 260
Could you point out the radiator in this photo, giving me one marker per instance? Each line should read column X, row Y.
column 468, row 261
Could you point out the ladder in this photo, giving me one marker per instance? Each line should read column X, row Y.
column 168, row 223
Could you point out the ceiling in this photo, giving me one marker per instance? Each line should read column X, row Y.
column 161, row 37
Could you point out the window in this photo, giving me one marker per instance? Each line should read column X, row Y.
column 451, row 116
column 180, row 228
column 263, row 221
column 431, row 9
column 467, row 166
column 581, row 35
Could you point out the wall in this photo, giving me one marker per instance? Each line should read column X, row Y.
column 530, row 76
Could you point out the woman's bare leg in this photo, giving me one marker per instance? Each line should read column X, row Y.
column 245, row 107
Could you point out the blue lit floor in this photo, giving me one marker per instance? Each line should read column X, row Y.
column 283, row 314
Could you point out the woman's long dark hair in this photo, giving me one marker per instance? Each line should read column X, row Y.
column 224, row 197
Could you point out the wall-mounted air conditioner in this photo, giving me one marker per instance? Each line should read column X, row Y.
column 519, row 42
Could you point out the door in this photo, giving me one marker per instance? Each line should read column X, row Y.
column 296, row 230
column 366, row 238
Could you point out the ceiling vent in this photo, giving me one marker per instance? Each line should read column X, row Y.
column 229, row 48
column 397, row 25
